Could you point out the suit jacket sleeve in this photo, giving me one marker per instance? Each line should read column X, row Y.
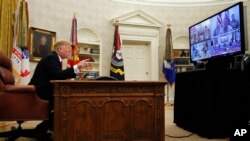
column 54, row 69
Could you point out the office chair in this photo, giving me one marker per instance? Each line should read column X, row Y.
column 19, row 103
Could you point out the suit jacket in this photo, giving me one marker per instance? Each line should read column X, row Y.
column 49, row 68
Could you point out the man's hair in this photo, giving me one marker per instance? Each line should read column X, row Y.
column 60, row 43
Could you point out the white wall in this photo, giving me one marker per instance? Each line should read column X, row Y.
column 56, row 15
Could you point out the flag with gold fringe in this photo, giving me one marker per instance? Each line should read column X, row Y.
column 74, row 59
column 168, row 60
column 117, row 66
column 20, row 51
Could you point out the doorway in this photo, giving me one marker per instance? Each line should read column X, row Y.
column 137, row 60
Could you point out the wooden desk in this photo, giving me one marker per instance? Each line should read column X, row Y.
column 108, row 110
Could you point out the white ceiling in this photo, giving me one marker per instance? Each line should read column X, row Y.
column 179, row 2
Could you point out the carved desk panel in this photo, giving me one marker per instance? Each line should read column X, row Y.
column 109, row 110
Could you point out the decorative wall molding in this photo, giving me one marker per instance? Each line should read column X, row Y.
column 139, row 18
column 86, row 35
column 179, row 2
column 181, row 42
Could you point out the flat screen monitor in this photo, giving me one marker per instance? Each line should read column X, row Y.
column 219, row 36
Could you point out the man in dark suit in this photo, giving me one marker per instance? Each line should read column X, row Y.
column 50, row 68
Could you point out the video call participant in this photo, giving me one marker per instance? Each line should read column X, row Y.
column 234, row 23
column 205, row 50
column 218, row 29
column 226, row 26
column 49, row 68
column 206, row 32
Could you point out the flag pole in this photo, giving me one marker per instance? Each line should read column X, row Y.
column 115, row 22
column 168, row 87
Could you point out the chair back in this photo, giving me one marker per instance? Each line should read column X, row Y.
column 6, row 76
column 18, row 102
column 105, row 78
